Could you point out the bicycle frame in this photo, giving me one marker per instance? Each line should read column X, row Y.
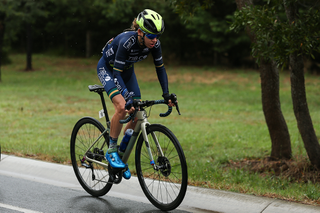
column 164, row 181
column 141, row 126
column 142, row 123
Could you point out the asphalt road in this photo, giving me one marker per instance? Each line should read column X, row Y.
column 32, row 186
column 19, row 195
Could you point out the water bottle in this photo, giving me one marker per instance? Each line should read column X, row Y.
column 125, row 140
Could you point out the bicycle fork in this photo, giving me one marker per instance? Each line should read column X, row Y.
column 143, row 128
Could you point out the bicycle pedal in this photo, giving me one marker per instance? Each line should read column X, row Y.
column 114, row 180
column 111, row 179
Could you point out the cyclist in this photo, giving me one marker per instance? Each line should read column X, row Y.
column 116, row 72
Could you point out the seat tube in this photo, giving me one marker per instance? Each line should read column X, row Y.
column 104, row 109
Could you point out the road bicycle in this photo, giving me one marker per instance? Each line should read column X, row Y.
column 160, row 162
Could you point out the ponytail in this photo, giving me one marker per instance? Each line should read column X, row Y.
column 134, row 26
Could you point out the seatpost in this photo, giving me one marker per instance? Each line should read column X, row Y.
column 104, row 108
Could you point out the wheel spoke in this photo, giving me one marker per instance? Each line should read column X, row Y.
column 92, row 176
column 165, row 185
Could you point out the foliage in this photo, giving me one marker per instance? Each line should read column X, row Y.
column 61, row 27
column 8, row 28
column 276, row 38
column 17, row 14
column 211, row 25
column 189, row 7
column 208, row 22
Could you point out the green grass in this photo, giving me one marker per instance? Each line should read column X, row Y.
column 221, row 119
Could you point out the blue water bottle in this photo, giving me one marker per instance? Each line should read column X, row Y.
column 125, row 140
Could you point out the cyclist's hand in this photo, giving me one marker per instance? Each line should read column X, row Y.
column 168, row 99
column 171, row 104
column 129, row 101
column 129, row 104
column 130, row 111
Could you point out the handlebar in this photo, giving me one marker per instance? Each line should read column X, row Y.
column 143, row 104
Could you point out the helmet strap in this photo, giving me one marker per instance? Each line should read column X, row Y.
column 142, row 39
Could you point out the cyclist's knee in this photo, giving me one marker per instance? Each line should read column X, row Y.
column 119, row 105
column 121, row 111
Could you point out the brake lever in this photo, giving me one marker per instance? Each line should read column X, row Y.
column 177, row 107
column 175, row 101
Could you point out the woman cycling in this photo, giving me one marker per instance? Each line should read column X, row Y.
column 116, row 72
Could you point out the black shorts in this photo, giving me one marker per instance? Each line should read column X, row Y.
column 111, row 85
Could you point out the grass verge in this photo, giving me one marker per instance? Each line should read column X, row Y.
column 221, row 127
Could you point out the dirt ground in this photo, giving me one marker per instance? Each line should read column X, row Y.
column 294, row 170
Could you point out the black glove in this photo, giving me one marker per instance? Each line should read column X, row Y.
column 129, row 104
column 128, row 98
column 173, row 98
column 166, row 97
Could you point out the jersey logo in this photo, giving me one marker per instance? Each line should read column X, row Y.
column 128, row 44
column 137, row 58
column 109, row 52
column 145, row 50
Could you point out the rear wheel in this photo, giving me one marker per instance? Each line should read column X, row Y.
column 165, row 186
column 92, row 176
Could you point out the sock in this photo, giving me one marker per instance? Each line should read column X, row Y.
column 113, row 143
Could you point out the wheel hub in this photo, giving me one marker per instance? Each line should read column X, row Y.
column 164, row 166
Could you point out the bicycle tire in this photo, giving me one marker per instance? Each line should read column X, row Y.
column 92, row 176
column 166, row 187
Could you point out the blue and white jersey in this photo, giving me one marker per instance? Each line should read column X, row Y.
column 124, row 50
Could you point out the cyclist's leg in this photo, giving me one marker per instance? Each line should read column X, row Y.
column 106, row 78
column 132, row 86
column 134, row 89
column 115, row 127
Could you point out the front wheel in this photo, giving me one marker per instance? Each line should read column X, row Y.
column 165, row 185
column 87, row 140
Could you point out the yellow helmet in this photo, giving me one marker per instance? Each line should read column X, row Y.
column 150, row 22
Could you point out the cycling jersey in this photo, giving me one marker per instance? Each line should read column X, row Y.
column 119, row 55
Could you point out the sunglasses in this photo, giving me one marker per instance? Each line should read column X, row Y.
column 151, row 36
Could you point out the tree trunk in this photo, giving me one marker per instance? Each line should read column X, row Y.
column 278, row 130
column 2, row 28
column 269, row 74
column 88, row 44
column 29, row 46
column 299, row 99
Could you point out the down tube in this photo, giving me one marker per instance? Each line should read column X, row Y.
column 131, row 143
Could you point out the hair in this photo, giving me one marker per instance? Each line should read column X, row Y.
column 134, row 26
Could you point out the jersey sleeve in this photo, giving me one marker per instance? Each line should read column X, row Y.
column 160, row 69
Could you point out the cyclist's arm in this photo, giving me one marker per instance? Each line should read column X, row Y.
column 161, row 71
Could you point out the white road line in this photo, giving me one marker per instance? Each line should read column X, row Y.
column 17, row 208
